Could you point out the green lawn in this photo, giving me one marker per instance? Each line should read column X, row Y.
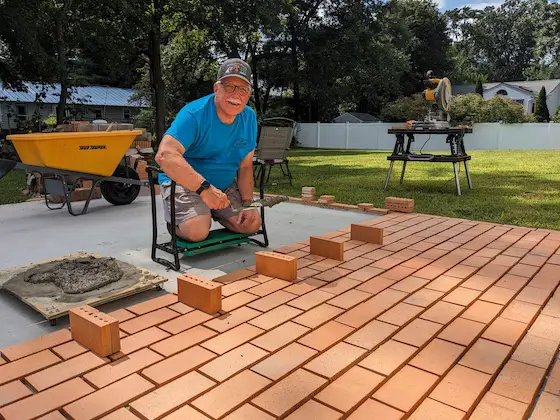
column 11, row 187
column 509, row 187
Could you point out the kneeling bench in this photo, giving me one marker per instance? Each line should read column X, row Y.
column 217, row 238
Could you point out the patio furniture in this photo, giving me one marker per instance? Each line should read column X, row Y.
column 275, row 138
column 456, row 143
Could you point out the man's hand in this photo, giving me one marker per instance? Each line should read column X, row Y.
column 246, row 217
column 214, row 198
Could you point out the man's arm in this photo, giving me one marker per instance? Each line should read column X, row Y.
column 245, row 178
column 170, row 158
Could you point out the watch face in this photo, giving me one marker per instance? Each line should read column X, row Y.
column 205, row 184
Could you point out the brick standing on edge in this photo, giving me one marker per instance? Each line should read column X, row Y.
column 326, row 248
column 95, row 330
column 200, row 293
column 364, row 233
column 276, row 265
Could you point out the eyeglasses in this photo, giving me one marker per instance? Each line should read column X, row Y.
column 244, row 91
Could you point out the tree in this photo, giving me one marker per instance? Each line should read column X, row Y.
column 541, row 108
column 479, row 89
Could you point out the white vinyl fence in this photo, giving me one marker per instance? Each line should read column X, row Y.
column 485, row 136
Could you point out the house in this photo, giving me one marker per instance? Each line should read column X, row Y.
column 356, row 117
column 524, row 92
column 86, row 103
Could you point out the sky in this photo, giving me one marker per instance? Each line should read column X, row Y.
column 474, row 4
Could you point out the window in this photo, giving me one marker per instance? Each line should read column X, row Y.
column 21, row 111
column 126, row 114
column 520, row 101
column 98, row 113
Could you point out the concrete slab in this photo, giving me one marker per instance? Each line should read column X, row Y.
column 31, row 233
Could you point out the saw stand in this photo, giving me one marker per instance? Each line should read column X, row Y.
column 455, row 139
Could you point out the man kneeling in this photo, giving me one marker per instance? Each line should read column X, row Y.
column 208, row 151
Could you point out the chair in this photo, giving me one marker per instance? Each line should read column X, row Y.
column 272, row 148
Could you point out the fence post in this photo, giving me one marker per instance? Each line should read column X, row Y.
column 347, row 133
column 318, row 134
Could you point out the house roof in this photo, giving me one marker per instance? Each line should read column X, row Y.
column 88, row 95
column 531, row 86
column 362, row 116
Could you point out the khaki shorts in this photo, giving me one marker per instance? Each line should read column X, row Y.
column 189, row 204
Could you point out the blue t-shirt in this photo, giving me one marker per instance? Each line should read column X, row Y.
column 212, row 148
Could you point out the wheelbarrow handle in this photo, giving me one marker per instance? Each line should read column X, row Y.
column 6, row 165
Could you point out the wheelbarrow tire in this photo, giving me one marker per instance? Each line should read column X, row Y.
column 120, row 194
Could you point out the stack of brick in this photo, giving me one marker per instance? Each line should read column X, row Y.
column 79, row 194
column 403, row 205
column 308, row 193
column 326, row 199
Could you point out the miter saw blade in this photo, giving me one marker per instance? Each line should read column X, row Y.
column 443, row 94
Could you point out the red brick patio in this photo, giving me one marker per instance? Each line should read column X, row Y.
column 449, row 319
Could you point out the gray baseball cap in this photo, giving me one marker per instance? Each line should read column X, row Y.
column 235, row 67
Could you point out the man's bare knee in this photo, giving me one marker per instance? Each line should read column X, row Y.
column 195, row 229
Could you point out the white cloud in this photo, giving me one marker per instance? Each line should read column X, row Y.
column 484, row 4
column 440, row 3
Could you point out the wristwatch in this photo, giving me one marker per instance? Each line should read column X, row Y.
column 203, row 186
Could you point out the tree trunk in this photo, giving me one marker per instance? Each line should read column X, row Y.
column 254, row 60
column 61, row 22
column 295, row 65
column 158, row 85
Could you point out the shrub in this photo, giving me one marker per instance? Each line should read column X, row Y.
column 472, row 108
column 405, row 108
column 556, row 117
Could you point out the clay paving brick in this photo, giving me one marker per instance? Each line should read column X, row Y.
column 228, row 364
column 186, row 321
column 371, row 334
column 423, row 297
column 355, row 264
column 224, row 342
column 552, row 308
column 348, row 390
column 182, row 341
column 61, row 372
column 388, row 357
column 275, row 317
column 418, row 332
column 115, row 371
column 47, row 401
column 318, row 315
column 200, row 293
column 496, row 407
column 12, row 392
column 230, row 394
column 304, row 286
column 306, row 272
column 505, row 331
column 326, row 248
column 520, row 311
column 271, row 301
column 437, row 357
column 280, row 336
column 332, row 274
column 376, row 285
column 177, row 365
column 340, row 286
column 372, row 409
column 122, row 315
column 109, row 398
column 478, row 282
column 284, row 361
column 55, row 415
column 326, row 335
column 499, row 295
column 509, row 281
column 536, row 351
column 442, row 312
column 386, row 263
column 310, row 300
column 234, row 276
column 245, row 412
column 533, row 295
column 153, row 304
column 181, row 308
column 148, row 320
column 276, row 265
column 461, row 387
column 27, row 365
column 485, row 356
column 36, row 345
column 165, row 399
column 122, row 414
column 461, row 271
column 95, row 330
column 481, row 311
column 69, row 349
column 237, row 300
column 434, row 410
column 365, row 273
column 269, row 287
column 334, row 360
column 518, row 381
column 523, row 270
column 443, row 283
column 232, row 319
column 238, row 286
column 313, row 409
column 349, row 299
column 462, row 296
column 535, row 260
column 406, row 388
column 400, row 314
column 288, row 393
column 410, row 284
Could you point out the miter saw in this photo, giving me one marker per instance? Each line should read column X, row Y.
column 438, row 94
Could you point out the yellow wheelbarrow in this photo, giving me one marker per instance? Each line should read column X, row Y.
column 65, row 158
